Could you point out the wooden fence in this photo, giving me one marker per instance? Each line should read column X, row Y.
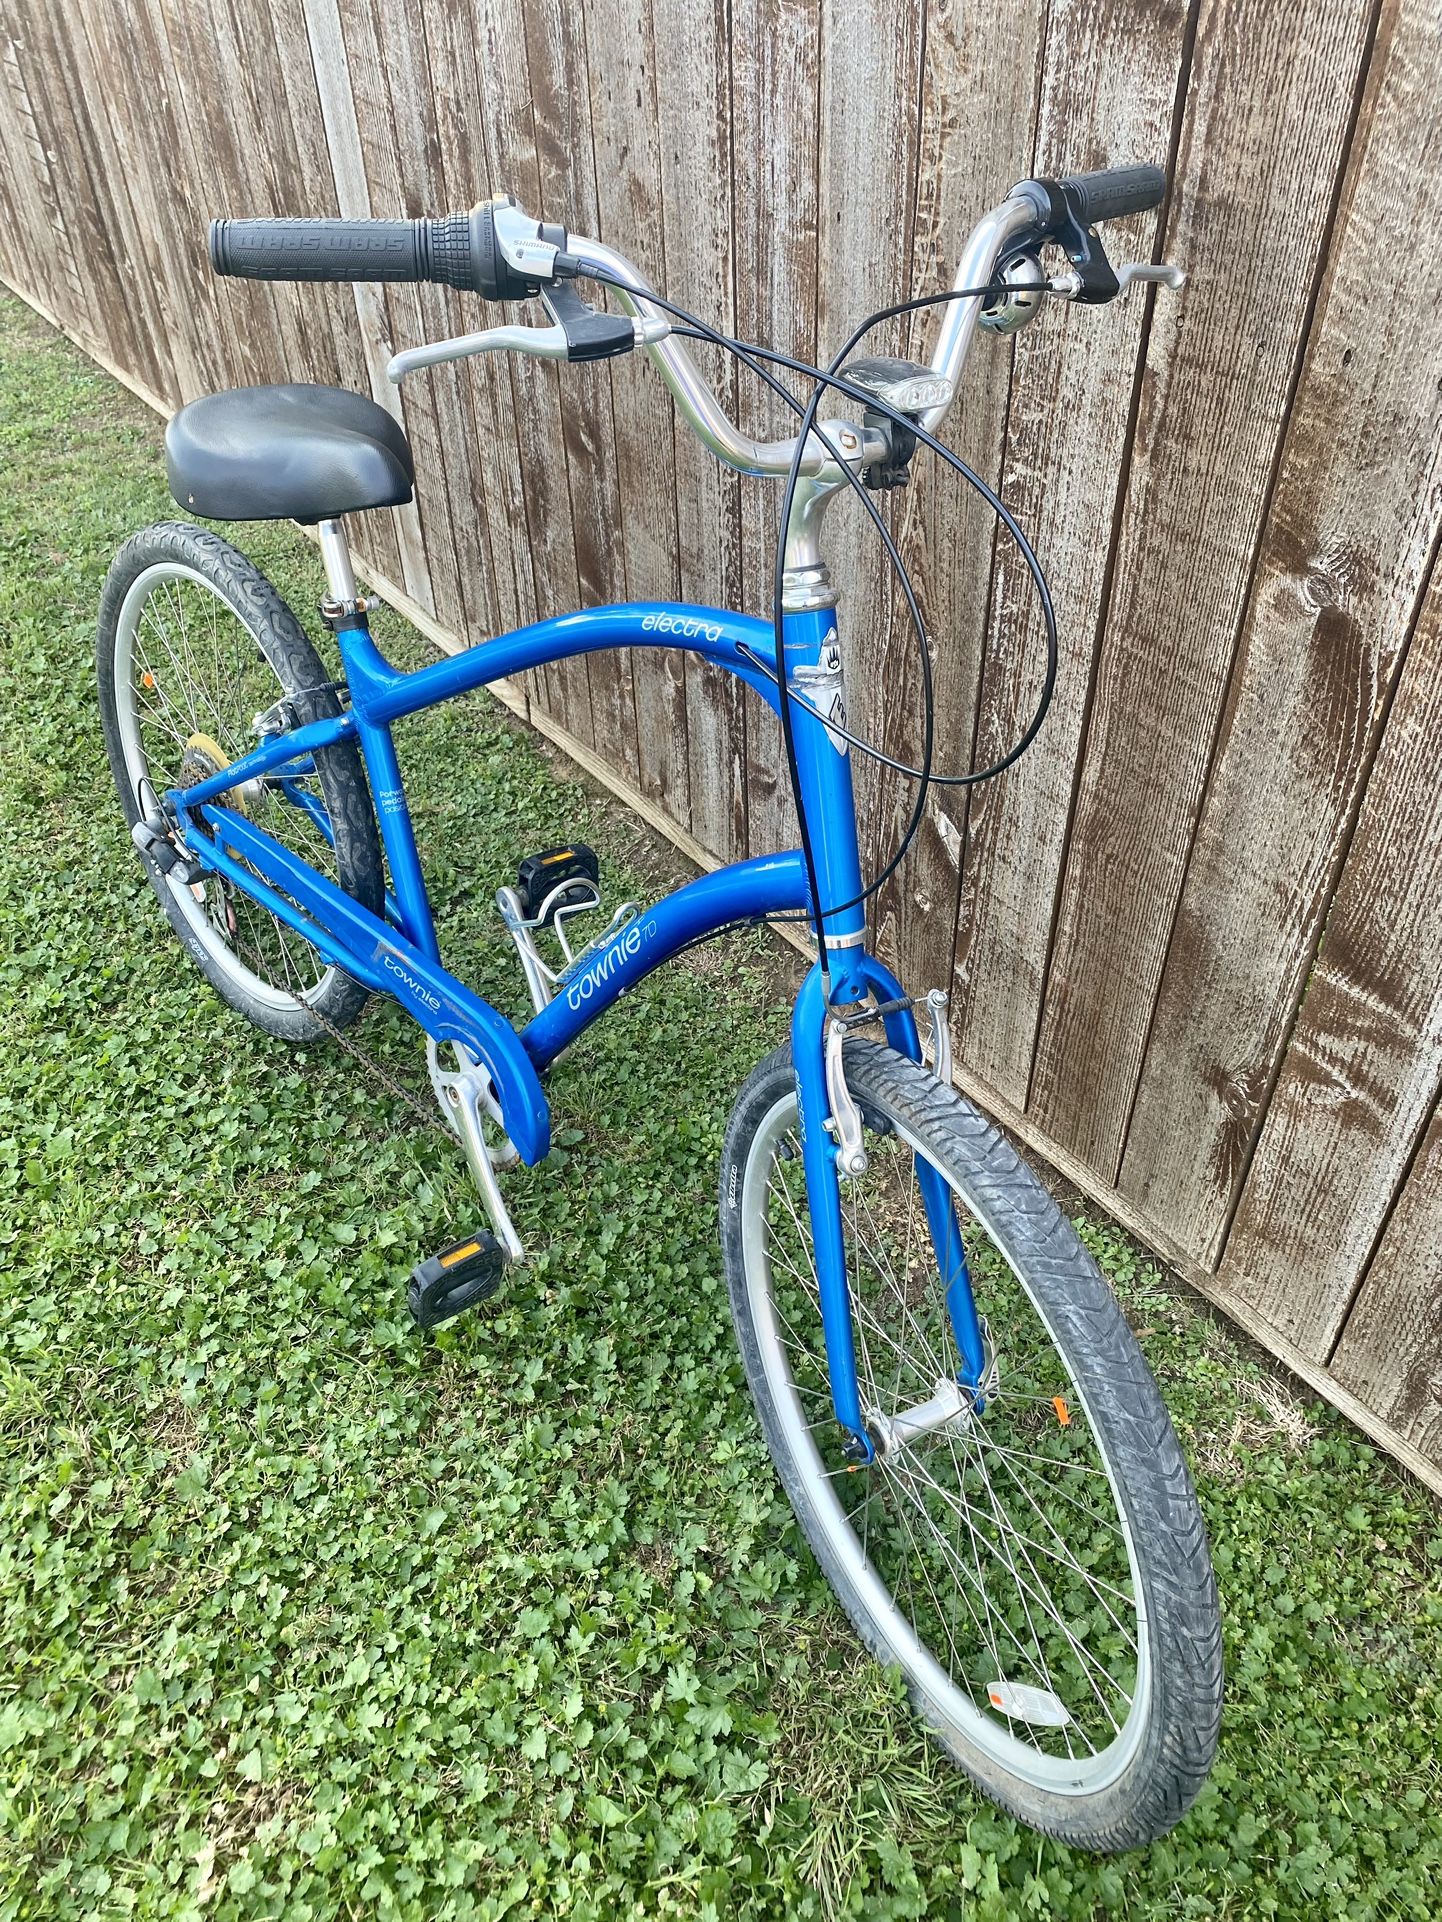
column 1194, row 941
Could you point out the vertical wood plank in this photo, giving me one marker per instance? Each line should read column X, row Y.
column 1390, row 1354
column 555, row 56
column 1108, row 95
column 541, row 477
column 625, row 125
column 865, row 218
column 353, row 202
column 484, row 388
column 1271, row 114
column 775, row 62
column 388, row 105
column 693, row 90
column 1363, row 1066
column 1353, row 523
column 30, row 111
column 93, row 273
column 977, row 118
column 308, row 185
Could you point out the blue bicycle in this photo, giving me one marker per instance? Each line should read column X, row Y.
column 962, row 1420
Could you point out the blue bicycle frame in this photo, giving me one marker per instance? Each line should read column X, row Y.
column 400, row 956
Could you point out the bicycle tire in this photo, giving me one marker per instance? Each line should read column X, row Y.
column 1019, row 1245
column 179, row 558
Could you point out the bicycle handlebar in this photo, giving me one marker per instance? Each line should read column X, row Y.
column 501, row 253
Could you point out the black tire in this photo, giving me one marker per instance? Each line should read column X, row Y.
column 1021, row 1247
column 263, row 971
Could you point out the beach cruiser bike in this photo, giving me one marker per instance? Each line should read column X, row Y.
column 960, row 1416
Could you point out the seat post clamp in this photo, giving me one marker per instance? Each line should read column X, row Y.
column 338, row 614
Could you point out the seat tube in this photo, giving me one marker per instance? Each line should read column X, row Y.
column 345, row 612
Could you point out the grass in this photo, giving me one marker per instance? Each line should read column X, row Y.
column 307, row 1618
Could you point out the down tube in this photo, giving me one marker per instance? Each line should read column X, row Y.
column 768, row 884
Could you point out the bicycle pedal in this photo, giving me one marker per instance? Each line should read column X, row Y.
column 459, row 1277
column 556, row 878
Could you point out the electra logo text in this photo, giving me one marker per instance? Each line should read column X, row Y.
column 624, row 948
column 394, row 965
column 688, row 626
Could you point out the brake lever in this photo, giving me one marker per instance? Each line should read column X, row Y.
column 1159, row 273
column 537, row 343
column 1131, row 273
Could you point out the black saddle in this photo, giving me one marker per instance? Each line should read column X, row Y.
column 286, row 453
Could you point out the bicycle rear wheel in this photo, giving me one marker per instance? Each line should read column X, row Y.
column 1036, row 1565
column 193, row 643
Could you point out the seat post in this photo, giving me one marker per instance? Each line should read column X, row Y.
column 335, row 552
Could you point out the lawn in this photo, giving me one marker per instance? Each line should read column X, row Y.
column 309, row 1617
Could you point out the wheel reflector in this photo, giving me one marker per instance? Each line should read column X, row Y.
column 1023, row 1703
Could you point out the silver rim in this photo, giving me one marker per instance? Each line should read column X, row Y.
column 982, row 1552
column 187, row 666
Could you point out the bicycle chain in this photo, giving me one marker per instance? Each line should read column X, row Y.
column 425, row 1113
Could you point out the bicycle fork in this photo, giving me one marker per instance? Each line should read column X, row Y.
column 825, row 1155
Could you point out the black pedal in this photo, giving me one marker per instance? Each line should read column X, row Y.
column 539, row 875
column 468, row 1272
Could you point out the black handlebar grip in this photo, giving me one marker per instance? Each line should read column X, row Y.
column 318, row 249
column 458, row 251
column 1114, row 192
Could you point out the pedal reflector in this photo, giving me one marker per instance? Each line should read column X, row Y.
column 1021, row 1702
column 467, row 1272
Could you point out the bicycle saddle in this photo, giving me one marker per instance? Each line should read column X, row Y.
column 296, row 453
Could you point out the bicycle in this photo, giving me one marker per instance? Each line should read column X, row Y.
column 970, row 1438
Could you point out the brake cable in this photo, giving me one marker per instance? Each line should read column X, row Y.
column 752, row 356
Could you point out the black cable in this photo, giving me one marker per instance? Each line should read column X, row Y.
column 751, row 357
column 1013, row 527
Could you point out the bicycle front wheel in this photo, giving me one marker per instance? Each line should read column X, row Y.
column 1034, row 1561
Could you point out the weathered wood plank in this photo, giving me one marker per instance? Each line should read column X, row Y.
column 625, row 128
column 1390, row 1353
column 1108, row 95
column 556, row 62
column 976, row 135
column 28, row 111
column 93, row 272
column 306, row 184
column 186, row 362
column 865, row 219
column 775, row 53
column 353, row 202
column 693, row 93
column 541, row 517
column 506, row 594
column 21, row 246
column 1270, row 113
column 1353, row 523
column 1362, row 1069
column 390, row 105
column 215, row 133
